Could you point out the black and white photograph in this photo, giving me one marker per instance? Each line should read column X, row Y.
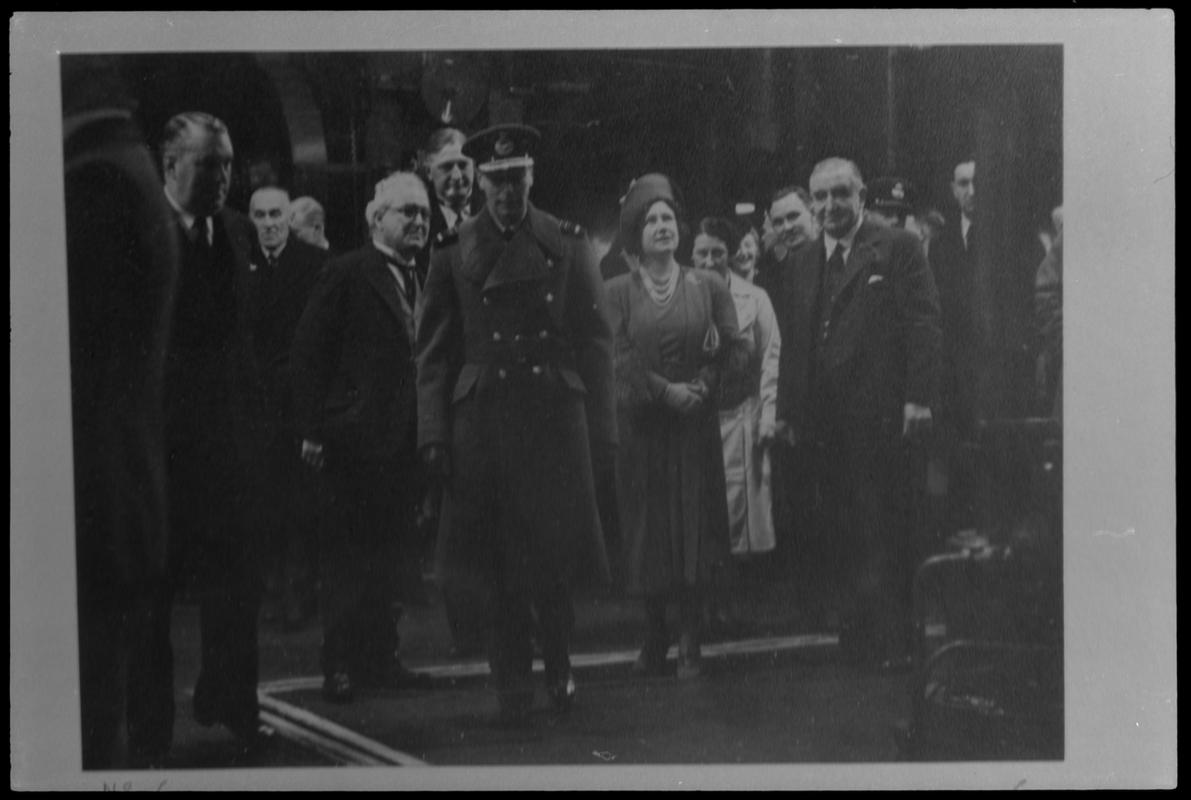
column 592, row 400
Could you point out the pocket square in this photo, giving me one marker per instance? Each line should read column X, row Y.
column 875, row 279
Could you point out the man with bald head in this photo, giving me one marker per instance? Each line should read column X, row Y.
column 356, row 413
column 857, row 379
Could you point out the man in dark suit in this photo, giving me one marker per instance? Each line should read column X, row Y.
column 515, row 393
column 282, row 272
column 356, row 412
column 790, row 224
column 450, row 181
column 953, row 262
column 122, row 268
column 859, row 365
column 207, row 368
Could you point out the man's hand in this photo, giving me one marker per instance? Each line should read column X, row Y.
column 682, row 398
column 312, row 454
column 437, row 462
column 782, row 432
column 916, row 421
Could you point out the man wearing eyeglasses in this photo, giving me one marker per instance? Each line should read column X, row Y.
column 356, row 413
column 516, row 415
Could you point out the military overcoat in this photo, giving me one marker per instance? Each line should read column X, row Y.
column 515, row 378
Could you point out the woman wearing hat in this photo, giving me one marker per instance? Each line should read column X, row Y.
column 676, row 333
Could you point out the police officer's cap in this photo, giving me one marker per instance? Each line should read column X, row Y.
column 502, row 147
column 890, row 194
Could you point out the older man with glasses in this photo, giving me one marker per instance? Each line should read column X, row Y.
column 356, row 412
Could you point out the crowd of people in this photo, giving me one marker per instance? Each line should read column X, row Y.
column 266, row 419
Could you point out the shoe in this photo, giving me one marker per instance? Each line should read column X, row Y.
column 395, row 676
column 690, row 658
column 651, row 661
column 562, row 693
column 257, row 739
column 337, row 688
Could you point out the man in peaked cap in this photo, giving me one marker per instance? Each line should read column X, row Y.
column 889, row 202
column 516, row 416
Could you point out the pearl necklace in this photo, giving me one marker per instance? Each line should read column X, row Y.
column 661, row 290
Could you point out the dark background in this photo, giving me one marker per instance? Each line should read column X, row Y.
column 729, row 125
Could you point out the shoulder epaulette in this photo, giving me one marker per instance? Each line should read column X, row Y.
column 570, row 228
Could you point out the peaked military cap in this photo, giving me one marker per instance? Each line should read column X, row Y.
column 892, row 194
column 502, row 147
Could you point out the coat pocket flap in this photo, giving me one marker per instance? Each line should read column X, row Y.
column 573, row 381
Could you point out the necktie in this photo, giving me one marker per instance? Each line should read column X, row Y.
column 407, row 284
column 968, row 238
column 272, row 259
column 835, row 270
column 198, row 235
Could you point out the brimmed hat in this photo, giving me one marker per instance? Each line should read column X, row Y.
column 502, row 147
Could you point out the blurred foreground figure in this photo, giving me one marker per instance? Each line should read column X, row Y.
column 122, row 265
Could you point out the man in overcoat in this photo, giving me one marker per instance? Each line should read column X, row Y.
column 858, row 374
column 355, row 407
column 207, row 370
column 282, row 272
column 515, row 392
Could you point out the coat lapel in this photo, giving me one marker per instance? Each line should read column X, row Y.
column 376, row 270
column 491, row 261
column 859, row 261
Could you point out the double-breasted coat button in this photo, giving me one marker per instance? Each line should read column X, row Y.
column 549, row 297
column 487, row 301
column 537, row 370
column 543, row 334
column 496, row 336
column 502, row 374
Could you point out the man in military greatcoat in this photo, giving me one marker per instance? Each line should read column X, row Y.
column 515, row 397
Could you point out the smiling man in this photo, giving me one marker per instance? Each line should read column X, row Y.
column 858, row 373
column 282, row 273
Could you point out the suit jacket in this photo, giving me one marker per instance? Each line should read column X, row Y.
column 278, row 298
column 353, row 363
column 881, row 348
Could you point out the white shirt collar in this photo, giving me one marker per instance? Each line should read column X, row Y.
column 186, row 216
column 846, row 240
column 965, row 222
column 393, row 254
column 276, row 253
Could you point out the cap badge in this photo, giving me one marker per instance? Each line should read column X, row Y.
column 898, row 192
column 504, row 145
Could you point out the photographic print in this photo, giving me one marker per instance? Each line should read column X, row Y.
column 537, row 402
